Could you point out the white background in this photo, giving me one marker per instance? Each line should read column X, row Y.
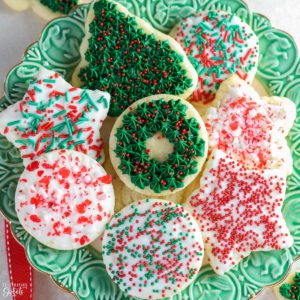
column 19, row 30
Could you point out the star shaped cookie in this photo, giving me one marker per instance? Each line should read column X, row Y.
column 54, row 115
column 239, row 211
column 251, row 128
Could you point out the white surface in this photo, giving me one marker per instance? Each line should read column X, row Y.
column 18, row 30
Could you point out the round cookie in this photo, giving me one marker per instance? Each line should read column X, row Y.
column 152, row 249
column 127, row 57
column 47, row 9
column 218, row 44
column 139, row 140
column 125, row 196
column 64, row 199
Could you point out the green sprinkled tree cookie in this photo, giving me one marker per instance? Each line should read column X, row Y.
column 218, row 44
column 152, row 249
column 158, row 145
column 127, row 57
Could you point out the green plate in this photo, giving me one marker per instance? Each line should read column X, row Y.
column 82, row 272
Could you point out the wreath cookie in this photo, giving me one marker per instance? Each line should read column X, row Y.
column 127, row 57
column 218, row 44
column 125, row 196
column 152, row 249
column 64, row 199
column 47, row 9
column 158, row 145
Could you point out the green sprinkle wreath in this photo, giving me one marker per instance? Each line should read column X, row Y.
column 291, row 291
column 168, row 117
column 63, row 6
column 128, row 63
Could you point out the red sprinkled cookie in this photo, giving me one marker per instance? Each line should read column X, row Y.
column 64, row 199
column 54, row 115
column 218, row 44
column 250, row 128
column 152, row 249
column 239, row 211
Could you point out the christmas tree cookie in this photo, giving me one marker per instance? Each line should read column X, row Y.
column 152, row 249
column 239, row 211
column 218, row 44
column 251, row 128
column 125, row 56
column 54, row 115
column 64, row 199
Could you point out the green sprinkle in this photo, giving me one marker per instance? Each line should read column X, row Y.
column 13, row 123
column 62, row 112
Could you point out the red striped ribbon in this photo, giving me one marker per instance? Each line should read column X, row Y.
column 19, row 270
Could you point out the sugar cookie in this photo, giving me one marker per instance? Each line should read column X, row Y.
column 136, row 150
column 127, row 57
column 47, row 9
column 64, row 199
column 152, row 249
column 218, row 44
column 251, row 128
column 289, row 288
column 239, row 211
column 55, row 115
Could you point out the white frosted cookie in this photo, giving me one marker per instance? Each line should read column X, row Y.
column 64, row 199
column 250, row 128
column 239, row 211
column 289, row 288
column 47, row 9
column 218, row 44
column 54, row 115
column 127, row 57
column 136, row 151
column 152, row 249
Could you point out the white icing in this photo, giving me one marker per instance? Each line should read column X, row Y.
column 275, row 118
column 69, row 202
column 67, row 101
column 224, row 202
column 180, row 233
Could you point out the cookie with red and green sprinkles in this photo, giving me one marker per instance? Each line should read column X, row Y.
column 158, row 145
column 218, row 44
column 127, row 57
column 152, row 249
column 55, row 115
column 64, row 199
